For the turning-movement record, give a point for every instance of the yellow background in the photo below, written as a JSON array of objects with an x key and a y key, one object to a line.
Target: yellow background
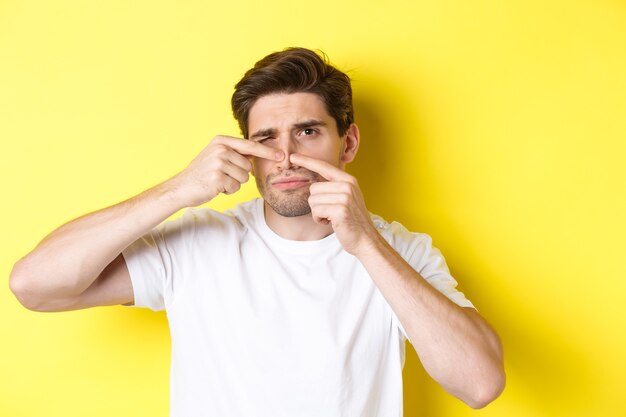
[{"x": 498, "y": 127}]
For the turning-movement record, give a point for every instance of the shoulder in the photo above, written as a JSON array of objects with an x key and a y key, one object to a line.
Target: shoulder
[
  {"x": 415, "y": 247},
  {"x": 398, "y": 235},
  {"x": 245, "y": 214},
  {"x": 200, "y": 219}
]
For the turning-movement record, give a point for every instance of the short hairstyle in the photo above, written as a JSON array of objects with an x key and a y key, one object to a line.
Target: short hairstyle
[{"x": 295, "y": 70}]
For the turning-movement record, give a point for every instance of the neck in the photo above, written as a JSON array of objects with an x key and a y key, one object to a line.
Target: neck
[{"x": 295, "y": 228}]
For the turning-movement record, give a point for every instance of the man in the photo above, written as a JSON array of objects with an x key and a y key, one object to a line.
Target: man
[{"x": 296, "y": 304}]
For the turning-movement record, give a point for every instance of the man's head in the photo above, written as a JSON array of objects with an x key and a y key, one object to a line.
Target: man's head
[
  {"x": 291, "y": 71},
  {"x": 296, "y": 102}
]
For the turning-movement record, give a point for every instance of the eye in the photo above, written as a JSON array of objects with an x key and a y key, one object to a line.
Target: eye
[
  {"x": 308, "y": 131},
  {"x": 264, "y": 139}
]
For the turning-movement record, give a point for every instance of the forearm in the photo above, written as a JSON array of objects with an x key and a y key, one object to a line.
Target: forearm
[
  {"x": 68, "y": 260},
  {"x": 455, "y": 345}
]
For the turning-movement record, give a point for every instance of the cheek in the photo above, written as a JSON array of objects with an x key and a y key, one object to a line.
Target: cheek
[{"x": 328, "y": 154}]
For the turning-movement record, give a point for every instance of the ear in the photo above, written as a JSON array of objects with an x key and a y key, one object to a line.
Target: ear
[{"x": 351, "y": 144}]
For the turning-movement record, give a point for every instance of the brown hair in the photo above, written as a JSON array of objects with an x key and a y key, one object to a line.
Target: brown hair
[{"x": 295, "y": 70}]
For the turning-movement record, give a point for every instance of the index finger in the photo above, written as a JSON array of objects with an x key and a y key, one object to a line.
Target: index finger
[
  {"x": 326, "y": 170},
  {"x": 249, "y": 148}
]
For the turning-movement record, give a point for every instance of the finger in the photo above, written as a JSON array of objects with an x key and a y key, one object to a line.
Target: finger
[
  {"x": 326, "y": 170},
  {"x": 235, "y": 172},
  {"x": 230, "y": 185},
  {"x": 328, "y": 199},
  {"x": 239, "y": 160},
  {"x": 331, "y": 187},
  {"x": 323, "y": 213},
  {"x": 249, "y": 148}
]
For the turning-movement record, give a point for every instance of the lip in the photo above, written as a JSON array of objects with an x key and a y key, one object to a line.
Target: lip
[{"x": 289, "y": 183}]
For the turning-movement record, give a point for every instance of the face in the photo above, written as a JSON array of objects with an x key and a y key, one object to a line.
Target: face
[{"x": 293, "y": 123}]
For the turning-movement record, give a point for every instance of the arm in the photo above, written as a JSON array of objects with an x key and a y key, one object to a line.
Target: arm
[
  {"x": 80, "y": 264},
  {"x": 456, "y": 346}
]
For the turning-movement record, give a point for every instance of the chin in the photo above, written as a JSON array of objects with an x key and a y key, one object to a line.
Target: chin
[{"x": 286, "y": 207}]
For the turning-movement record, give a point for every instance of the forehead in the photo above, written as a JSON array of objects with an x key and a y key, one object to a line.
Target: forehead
[{"x": 282, "y": 110}]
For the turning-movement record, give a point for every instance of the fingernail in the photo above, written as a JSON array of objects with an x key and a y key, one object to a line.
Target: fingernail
[{"x": 280, "y": 155}]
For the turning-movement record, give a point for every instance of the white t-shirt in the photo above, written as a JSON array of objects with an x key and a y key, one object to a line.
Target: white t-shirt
[{"x": 265, "y": 326}]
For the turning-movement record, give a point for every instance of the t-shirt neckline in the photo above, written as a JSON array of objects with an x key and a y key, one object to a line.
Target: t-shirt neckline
[{"x": 294, "y": 246}]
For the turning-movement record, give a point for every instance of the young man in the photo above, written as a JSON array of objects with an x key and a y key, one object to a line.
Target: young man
[{"x": 295, "y": 304}]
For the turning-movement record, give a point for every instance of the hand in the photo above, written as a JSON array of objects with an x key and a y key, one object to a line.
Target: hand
[
  {"x": 221, "y": 167},
  {"x": 339, "y": 202}
]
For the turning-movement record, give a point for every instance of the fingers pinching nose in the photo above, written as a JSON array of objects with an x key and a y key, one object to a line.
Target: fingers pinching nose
[
  {"x": 299, "y": 160},
  {"x": 295, "y": 159},
  {"x": 280, "y": 155}
]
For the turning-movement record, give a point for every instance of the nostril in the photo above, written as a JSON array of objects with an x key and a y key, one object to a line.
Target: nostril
[{"x": 286, "y": 161}]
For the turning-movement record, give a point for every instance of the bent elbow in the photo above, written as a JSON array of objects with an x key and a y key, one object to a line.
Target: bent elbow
[
  {"x": 18, "y": 284},
  {"x": 22, "y": 287},
  {"x": 488, "y": 391}
]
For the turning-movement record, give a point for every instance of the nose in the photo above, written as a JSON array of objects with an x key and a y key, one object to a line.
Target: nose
[{"x": 288, "y": 145}]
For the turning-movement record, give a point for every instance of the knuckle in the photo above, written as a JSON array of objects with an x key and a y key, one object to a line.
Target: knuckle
[
  {"x": 233, "y": 186},
  {"x": 220, "y": 165},
  {"x": 239, "y": 178},
  {"x": 221, "y": 150},
  {"x": 216, "y": 177}
]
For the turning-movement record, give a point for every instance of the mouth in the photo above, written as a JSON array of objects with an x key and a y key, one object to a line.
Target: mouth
[{"x": 291, "y": 183}]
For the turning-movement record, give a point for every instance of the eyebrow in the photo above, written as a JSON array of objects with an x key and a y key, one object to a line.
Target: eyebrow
[
  {"x": 309, "y": 123},
  {"x": 301, "y": 125}
]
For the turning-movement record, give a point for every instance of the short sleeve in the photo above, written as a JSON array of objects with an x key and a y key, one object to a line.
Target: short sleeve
[
  {"x": 417, "y": 249},
  {"x": 431, "y": 265},
  {"x": 154, "y": 261}
]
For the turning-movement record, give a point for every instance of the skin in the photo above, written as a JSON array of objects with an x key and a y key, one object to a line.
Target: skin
[
  {"x": 296, "y": 124},
  {"x": 456, "y": 345},
  {"x": 299, "y": 170}
]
